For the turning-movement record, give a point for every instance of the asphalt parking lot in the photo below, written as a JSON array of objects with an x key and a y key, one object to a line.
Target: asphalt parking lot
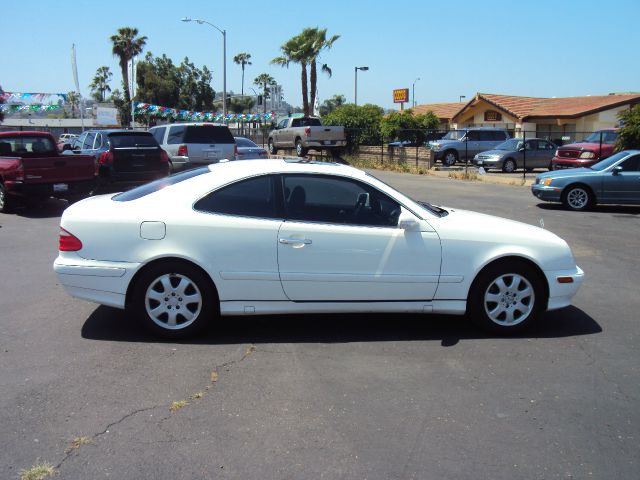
[{"x": 328, "y": 396}]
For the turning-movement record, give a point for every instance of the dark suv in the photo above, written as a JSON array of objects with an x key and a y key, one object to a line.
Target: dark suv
[
  {"x": 124, "y": 155},
  {"x": 195, "y": 144}
]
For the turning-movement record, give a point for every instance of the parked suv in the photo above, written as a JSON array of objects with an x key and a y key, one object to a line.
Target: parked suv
[
  {"x": 194, "y": 144},
  {"x": 597, "y": 146},
  {"x": 466, "y": 143}
]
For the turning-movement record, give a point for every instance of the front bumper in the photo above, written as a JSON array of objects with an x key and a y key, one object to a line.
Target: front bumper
[
  {"x": 97, "y": 281},
  {"x": 547, "y": 193},
  {"x": 563, "y": 285},
  {"x": 560, "y": 163}
]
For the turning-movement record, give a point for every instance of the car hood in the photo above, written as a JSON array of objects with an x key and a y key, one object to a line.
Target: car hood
[
  {"x": 498, "y": 153},
  {"x": 571, "y": 172},
  {"x": 582, "y": 146},
  {"x": 443, "y": 142}
]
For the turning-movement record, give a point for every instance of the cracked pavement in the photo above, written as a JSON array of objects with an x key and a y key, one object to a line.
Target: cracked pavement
[{"x": 328, "y": 396}]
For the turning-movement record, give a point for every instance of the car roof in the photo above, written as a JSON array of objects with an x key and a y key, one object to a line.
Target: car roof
[
  {"x": 192, "y": 124},
  {"x": 23, "y": 133}
]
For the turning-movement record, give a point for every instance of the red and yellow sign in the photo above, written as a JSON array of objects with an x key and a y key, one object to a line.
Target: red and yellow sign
[{"x": 401, "y": 95}]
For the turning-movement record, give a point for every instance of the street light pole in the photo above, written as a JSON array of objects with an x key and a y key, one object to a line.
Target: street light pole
[
  {"x": 461, "y": 97},
  {"x": 364, "y": 69},
  {"x": 224, "y": 59},
  {"x": 413, "y": 91}
]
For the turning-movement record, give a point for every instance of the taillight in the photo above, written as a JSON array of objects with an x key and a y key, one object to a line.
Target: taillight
[
  {"x": 106, "y": 158},
  {"x": 182, "y": 151},
  {"x": 307, "y": 130},
  {"x": 68, "y": 242},
  {"x": 19, "y": 172},
  {"x": 164, "y": 158},
  {"x": 235, "y": 151}
]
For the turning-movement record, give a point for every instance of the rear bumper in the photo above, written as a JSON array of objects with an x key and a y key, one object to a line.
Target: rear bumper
[
  {"x": 96, "y": 281},
  {"x": 58, "y": 189},
  {"x": 324, "y": 144}
]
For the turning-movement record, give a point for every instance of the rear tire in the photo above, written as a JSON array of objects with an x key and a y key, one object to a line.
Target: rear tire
[
  {"x": 507, "y": 297},
  {"x": 5, "y": 201},
  {"x": 300, "y": 150},
  {"x": 174, "y": 300}
]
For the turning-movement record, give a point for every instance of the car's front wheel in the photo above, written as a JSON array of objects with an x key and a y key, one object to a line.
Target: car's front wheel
[
  {"x": 577, "y": 197},
  {"x": 507, "y": 297},
  {"x": 272, "y": 148},
  {"x": 174, "y": 300},
  {"x": 450, "y": 158},
  {"x": 509, "y": 166}
]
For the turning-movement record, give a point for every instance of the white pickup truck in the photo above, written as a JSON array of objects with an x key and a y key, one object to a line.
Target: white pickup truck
[{"x": 304, "y": 134}]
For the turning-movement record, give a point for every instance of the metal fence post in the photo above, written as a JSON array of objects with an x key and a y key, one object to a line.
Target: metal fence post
[{"x": 524, "y": 156}]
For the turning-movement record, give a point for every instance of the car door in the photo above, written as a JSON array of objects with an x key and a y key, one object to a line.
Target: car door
[
  {"x": 473, "y": 145},
  {"x": 340, "y": 242},
  {"x": 277, "y": 133},
  {"x": 236, "y": 232},
  {"x": 546, "y": 151},
  {"x": 623, "y": 186}
]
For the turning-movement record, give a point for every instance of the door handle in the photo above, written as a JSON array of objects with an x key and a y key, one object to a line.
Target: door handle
[{"x": 294, "y": 241}]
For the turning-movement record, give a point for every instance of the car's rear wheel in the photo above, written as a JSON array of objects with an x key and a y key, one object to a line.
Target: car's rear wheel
[
  {"x": 300, "y": 150},
  {"x": 450, "y": 158},
  {"x": 272, "y": 148},
  {"x": 507, "y": 297},
  {"x": 174, "y": 300},
  {"x": 509, "y": 166},
  {"x": 577, "y": 197},
  {"x": 5, "y": 202}
]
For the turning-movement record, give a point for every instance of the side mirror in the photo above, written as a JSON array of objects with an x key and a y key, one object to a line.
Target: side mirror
[
  {"x": 521, "y": 149},
  {"x": 408, "y": 222},
  {"x": 616, "y": 170}
]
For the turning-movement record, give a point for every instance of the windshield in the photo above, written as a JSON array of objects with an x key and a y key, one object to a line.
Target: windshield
[
  {"x": 454, "y": 135},
  {"x": 512, "y": 145},
  {"x": 609, "y": 137},
  {"x": 607, "y": 162}
]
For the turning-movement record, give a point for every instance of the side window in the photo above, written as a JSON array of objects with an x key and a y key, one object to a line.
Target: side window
[
  {"x": 283, "y": 124},
  {"x": 326, "y": 199},
  {"x": 247, "y": 198},
  {"x": 158, "y": 134},
  {"x": 80, "y": 140},
  {"x": 296, "y": 122},
  {"x": 176, "y": 134},
  {"x": 542, "y": 145},
  {"x": 88, "y": 141},
  {"x": 499, "y": 136},
  {"x": 473, "y": 136},
  {"x": 486, "y": 136},
  {"x": 531, "y": 145},
  {"x": 98, "y": 141},
  {"x": 631, "y": 164}
]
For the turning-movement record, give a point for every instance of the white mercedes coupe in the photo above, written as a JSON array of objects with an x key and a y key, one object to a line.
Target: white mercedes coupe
[{"x": 283, "y": 236}]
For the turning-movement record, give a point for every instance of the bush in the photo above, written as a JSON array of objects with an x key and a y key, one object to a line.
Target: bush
[
  {"x": 629, "y": 134},
  {"x": 361, "y": 123}
]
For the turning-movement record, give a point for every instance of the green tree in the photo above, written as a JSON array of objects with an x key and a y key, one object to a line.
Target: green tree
[
  {"x": 319, "y": 42},
  {"x": 74, "y": 101},
  {"x": 297, "y": 49},
  {"x": 124, "y": 109},
  {"x": 158, "y": 81},
  {"x": 195, "y": 87},
  {"x": 100, "y": 84},
  {"x": 362, "y": 123},
  {"x": 242, "y": 59},
  {"x": 629, "y": 133},
  {"x": 331, "y": 104},
  {"x": 405, "y": 125},
  {"x": 126, "y": 45},
  {"x": 241, "y": 104},
  {"x": 264, "y": 80}
]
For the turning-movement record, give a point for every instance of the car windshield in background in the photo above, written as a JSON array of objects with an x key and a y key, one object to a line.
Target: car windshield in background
[
  {"x": 208, "y": 134},
  {"x": 132, "y": 140},
  {"x": 511, "y": 145},
  {"x": 454, "y": 135},
  {"x": 607, "y": 162},
  {"x": 607, "y": 137},
  {"x": 151, "y": 187},
  {"x": 245, "y": 142}
]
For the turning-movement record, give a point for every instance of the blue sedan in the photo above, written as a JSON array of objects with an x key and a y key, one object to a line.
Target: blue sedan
[{"x": 613, "y": 180}]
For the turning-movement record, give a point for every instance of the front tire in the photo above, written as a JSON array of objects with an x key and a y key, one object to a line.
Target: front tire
[
  {"x": 174, "y": 300},
  {"x": 5, "y": 201},
  {"x": 300, "y": 150},
  {"x": 450, "y": 158},
  {"x": 272, "y": 148},
  {"x": 578, "y": 198},
  {"x": 509, "y": 166},
  {"x": 507, "y": 297}
]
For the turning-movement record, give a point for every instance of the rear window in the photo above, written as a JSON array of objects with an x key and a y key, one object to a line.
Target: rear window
[
  {"x": 151, "y": 187},
  {"x": 132, "y": 140},
  {"x": 23, "y": 145},
  {"x": 306, "y": 122},
  {"x": 208, "y": 134},
  {"x": 245, "y": 142}
]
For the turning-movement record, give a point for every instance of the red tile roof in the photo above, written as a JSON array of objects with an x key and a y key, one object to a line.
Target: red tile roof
[{"x": 444, "y": 111}]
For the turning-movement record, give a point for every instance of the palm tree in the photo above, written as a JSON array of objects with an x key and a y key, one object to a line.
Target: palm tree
[
  {"x": 319, "y": 42},
  {"x": 74, "y": 99},
  {"x": 126, "y": 45},
  {"x": 297, "y": 49},
  {"x": 100, "y": 84},
  {"x": 264, "y": 80},
  {"x": 242, "y": 59}
]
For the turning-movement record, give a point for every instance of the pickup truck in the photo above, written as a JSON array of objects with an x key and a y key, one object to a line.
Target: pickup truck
[
  {"x": 304, "y": 134},
  {"x": 32, "y": 170},
  {"x": 597, "y": 146}
]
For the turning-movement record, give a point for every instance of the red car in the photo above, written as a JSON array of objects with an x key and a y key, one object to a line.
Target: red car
[{"x": 591, "y": 150}]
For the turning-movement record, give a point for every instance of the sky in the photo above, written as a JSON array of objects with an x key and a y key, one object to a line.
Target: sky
[{"x": 444, "y": 49}]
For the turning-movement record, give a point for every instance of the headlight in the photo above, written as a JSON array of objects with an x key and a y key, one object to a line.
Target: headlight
[
  {"x": 435, "y": 147},
  {"x": 546, "y": 181},
  {"x": 587, "y": 155}
]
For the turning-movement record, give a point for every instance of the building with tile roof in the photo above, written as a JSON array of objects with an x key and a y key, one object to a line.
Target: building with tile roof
[{"x": 565, "y": 118}]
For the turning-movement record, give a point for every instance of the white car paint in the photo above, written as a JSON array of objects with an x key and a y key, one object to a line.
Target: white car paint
[{"x": 267, "y": 266}]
